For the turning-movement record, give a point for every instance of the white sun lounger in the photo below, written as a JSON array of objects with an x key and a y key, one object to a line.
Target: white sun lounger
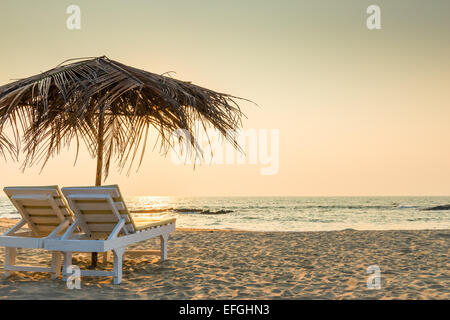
[
  {"x": 106, "y": 225},
  {"x": 46, "y": 213}
]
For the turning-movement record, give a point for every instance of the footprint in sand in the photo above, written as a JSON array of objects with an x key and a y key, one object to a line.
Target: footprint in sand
[{"x": 351, "y": 283}]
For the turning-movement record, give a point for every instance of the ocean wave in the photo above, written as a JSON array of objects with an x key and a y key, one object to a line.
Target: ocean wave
[
  {"x": 229, "y": 209},
  {"x": 357, "y": 207},
  {"x": 183, "y": 210}
]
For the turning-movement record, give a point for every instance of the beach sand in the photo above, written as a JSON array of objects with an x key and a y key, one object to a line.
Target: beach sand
[{"x": 259, "y": 265}]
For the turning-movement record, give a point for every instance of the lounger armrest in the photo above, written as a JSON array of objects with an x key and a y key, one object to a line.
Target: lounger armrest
[
  {"x": 15, "y": 228},
  {"x": 71, "y": 229},
  {"x": 117, "y": 229},
  {"x": 58, "y": 229}
]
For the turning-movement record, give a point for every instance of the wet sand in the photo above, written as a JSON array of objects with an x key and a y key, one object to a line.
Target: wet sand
[{"x": 259, "y": 265}]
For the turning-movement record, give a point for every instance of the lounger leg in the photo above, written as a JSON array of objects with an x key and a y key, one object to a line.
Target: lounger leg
[
  {"x": 94, "y": 257},
  {"x": 56, "y": 264},
  {"x": 106, "y": 257},
  {"x": 10, "y": 259},
  {"x": 118, "y": 259},
  {"x": 164, "y": 238},
  {"x": 67, "y": 263}
]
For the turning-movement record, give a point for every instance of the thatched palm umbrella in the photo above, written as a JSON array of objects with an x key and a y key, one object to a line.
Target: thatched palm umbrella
[{"x": 110, "y": 107}]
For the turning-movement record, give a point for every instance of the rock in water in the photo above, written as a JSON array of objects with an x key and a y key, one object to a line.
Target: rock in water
[
  {"x": 443, "y": 207},
  {"x": 201, "y": 211},
  {"x": 216, "y": 212}
]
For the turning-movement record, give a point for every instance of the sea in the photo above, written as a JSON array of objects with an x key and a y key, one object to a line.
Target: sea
[{"x": 288, "y": 213}]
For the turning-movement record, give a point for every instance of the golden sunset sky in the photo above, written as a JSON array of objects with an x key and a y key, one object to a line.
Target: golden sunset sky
[{"x": 359, "y": 112}]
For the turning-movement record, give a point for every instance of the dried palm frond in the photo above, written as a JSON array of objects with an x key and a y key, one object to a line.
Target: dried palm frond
[{"x": 109, "y": 107}]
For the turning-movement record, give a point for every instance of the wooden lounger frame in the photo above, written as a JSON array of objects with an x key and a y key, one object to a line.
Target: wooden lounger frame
[
  {"x": 106, "y": 226},
  {"x": 46, "y": 213}
]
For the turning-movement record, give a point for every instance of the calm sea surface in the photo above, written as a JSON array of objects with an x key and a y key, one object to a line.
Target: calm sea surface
[{"x": 290, "y": 213}]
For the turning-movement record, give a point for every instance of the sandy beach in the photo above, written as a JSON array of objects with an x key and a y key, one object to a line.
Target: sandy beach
[{"x": 260, "y": 265}]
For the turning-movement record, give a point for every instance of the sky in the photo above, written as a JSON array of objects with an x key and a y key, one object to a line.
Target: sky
[{"x": 359, "y": 112}]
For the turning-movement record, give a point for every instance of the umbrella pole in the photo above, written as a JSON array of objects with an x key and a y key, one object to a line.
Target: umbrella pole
[{"x": 98, "y": 175}]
